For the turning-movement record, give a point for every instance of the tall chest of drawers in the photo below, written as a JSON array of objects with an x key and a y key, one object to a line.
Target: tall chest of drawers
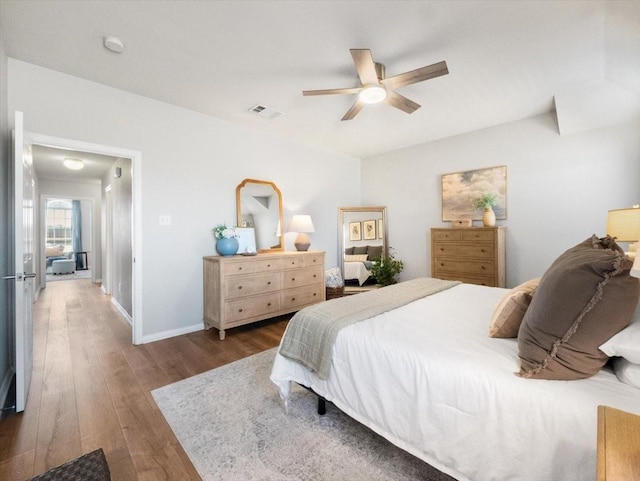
[
  {"x": 475, "y": 255},
  {"x": 239, "y": 290}
]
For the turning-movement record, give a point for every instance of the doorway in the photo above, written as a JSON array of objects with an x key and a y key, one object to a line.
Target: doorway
[
  {"x": 132, "y": 254},
  {"x": 68, "y": 239}
]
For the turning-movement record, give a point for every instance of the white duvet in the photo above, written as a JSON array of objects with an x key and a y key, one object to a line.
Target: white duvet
[
  {"x": 428, "y": 378},
  {"x": 356, "y": 270}
]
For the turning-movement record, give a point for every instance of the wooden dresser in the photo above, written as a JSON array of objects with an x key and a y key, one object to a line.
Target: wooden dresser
[
  {"x": 239, "y": 290},
  {"x": 475, "y": 255},
  {"x": 618, "y": 445}
]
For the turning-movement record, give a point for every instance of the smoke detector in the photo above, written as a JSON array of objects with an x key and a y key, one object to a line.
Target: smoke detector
[{"x": 114, "y": 44}]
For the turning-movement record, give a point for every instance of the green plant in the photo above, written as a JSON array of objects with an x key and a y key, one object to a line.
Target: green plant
[
  {"x": 486, "y": 199},
  {"x": 386, "y": 269},
  {"x": 221, "y": 231}
]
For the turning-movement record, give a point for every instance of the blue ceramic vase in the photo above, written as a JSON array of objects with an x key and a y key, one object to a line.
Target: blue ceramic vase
[{"x": 227, "y": 247}]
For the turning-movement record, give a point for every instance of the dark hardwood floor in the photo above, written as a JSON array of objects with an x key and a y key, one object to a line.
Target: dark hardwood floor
[{"x": 91, "y": 387}]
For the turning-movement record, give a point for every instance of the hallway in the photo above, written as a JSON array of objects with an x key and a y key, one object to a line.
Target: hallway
[{"x": 91, "y": 387}]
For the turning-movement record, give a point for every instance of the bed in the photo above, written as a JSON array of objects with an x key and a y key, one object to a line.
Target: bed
[
  {"x": 357, "y": 262},
  {"x": 427, "y": 377},
  {"x": 357, "y": 270}
]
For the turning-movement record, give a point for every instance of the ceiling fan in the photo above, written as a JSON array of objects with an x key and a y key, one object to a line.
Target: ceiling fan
[{"x": 375, "y": 88}]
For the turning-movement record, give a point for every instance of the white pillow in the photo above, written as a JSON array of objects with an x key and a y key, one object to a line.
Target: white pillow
[
  {"x": 627, "y": 372},
  {"x": 627, "y": 342},
  {"x": 355, "y": 258}
]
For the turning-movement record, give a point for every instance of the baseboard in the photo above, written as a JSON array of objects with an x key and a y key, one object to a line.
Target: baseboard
[
  {"x": 122, "y": 310},
  {"x": 172, "y": 333},
  {"x": 6, "y": 384}
]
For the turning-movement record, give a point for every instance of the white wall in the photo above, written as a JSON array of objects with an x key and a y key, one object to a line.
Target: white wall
[
  {"x": 78, "y": 191},
  {"x": 559, "y": 188},
  {"x": 191, "y": 164}
]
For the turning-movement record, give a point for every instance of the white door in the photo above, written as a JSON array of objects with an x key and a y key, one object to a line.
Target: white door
[{"x": 24, "y": 264}]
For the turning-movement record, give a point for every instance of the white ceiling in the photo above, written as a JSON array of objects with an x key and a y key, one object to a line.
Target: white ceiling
[
  {"x": 48, "y": 164},
  {"x": 507, "y": 59}
]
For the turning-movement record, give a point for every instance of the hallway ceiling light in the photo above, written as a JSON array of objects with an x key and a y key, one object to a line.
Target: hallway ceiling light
[{"x": 73, "y": 164}]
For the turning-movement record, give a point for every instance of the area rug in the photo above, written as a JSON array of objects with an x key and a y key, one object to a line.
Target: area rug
[
  {"x": 232, "y": 425},
  {"x": 86, "y": 274}
]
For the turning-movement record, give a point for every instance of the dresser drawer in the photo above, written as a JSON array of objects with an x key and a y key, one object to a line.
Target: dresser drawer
[
  {"x": 471, "y": 268},
  {"x": 237, "y": 267},
  {"x": 446, "y": 234},
  {"x": 242, "y": 286},
  {"x": 461, "y": 249},
  {"x": 268, "y": 265},
  {"x": 299, "y": 297},
  {"x": 477, "y": 234},
  {"x": 479, "y": 280},
  {"x": 314, "y": 260},
  {"x": 292, "y": 262},
  {"x": 302, "y": 277},
  {"x": 246, "y": 308}
]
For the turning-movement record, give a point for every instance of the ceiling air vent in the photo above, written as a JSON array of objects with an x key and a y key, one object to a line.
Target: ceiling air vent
[{"x": 264, "y": 111}]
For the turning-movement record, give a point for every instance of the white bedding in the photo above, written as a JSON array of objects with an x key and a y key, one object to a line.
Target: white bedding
[
  {"x": 356, "y": 270},
  {"x": 428, "y": 378}
]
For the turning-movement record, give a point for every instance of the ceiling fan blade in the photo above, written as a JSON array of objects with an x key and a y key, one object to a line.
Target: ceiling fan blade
[
  {"x": 354, "y": 90},
  {"x": 400, "y": 102},
  {"x": 353, "y": 111},
  {"x": 417, "y": 75},
  {"x": 364, "y": 65}
]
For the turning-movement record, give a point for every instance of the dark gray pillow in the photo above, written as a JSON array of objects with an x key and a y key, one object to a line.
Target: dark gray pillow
[
  {"x": 583, "y": 299},
  {"x": 374, "y": 252},
  {"x": 348, "y": 251},
  {"x": 358, "y": 251}
]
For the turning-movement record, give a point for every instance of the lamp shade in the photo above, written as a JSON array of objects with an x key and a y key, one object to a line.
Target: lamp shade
[
  {"x": 624, "y": 224},
  {"x": 301, "y": 223}
]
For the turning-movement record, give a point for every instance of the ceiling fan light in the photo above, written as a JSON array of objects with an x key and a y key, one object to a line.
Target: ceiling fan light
[
  {"x": 73, "y": 164},
  {"x": 372, "y": 94}
]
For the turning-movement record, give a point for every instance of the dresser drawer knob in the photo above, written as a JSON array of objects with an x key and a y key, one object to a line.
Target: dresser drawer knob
[
  {"x": 314, "y": 294},
  {"x": 239, "y": 287},
  {"x": 293, "y": 299},
  {"x": 482, "y": 267},
  {"x": 269, "y": 283},
  {"x": 482, "y": 250},
  {"x": 314, "y": 276},
  {"x": 268, "y": 265},
  {"x": 268, "y": 304},
  {"x": 240, "y": 310},
  {"x": 239, "y": 268},
  {"x": 293, "y": 279}
]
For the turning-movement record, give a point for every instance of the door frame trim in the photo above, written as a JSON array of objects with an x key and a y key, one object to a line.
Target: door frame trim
[{"x": 136, "y": 214}]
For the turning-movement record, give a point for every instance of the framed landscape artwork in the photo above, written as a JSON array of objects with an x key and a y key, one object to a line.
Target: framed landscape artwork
[
  {"x": 459, "y": 188},
  {"x": 369, "y": 229},
  {"x": 355, "y": 234}
]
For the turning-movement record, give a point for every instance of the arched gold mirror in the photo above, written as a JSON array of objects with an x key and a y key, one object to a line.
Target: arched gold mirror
[
  {"x": 259, "y": 205},
  {"x": 362, "y": 238}
]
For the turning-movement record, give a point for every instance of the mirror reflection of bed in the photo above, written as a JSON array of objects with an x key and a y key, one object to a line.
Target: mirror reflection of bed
[{"x": 362, "y": 240}]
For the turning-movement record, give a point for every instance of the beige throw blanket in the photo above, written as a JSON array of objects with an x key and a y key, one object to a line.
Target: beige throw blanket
[{"x": 312, "y": 332}]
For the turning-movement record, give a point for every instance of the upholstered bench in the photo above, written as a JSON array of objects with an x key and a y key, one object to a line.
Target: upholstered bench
[{"x": 63, "y": 266}]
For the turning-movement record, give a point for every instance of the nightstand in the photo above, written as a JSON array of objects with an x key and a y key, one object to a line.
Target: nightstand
[{"x": 618, "y": 445}]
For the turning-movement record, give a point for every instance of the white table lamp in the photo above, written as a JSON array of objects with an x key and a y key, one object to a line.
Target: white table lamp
[
  {"x": 624, "y": 225},
  {"x": 302, "y": 224}
]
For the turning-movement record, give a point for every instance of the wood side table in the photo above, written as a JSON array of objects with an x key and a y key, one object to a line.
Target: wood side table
[{"x": 618, "y": 445}]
